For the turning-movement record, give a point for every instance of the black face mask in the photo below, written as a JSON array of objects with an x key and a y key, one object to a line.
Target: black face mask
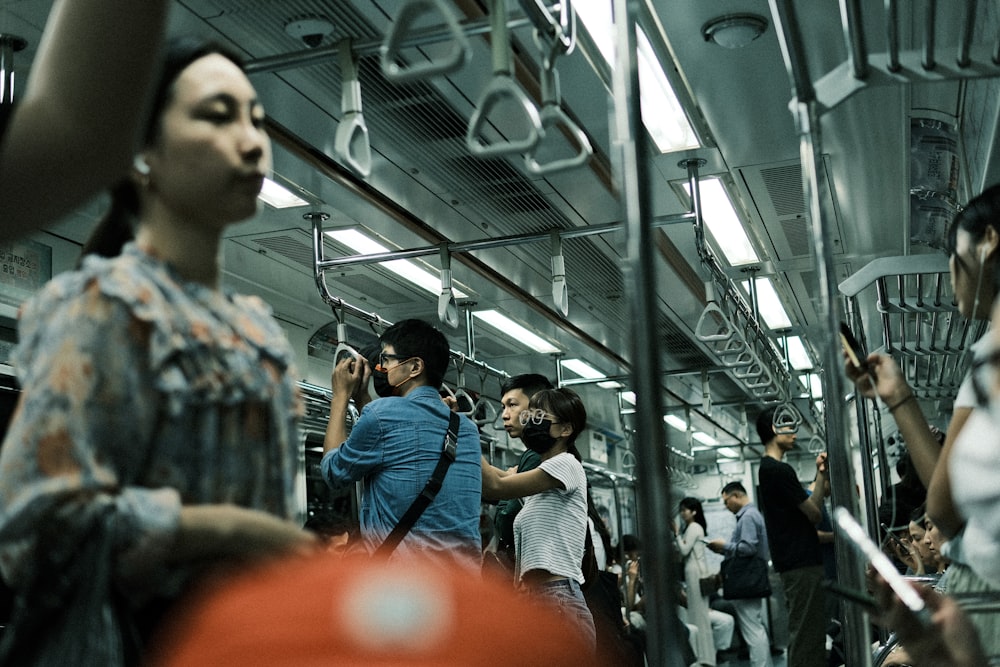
[
  {"x": 536, "y": 436},
  {"x": 380, "y": 384}
]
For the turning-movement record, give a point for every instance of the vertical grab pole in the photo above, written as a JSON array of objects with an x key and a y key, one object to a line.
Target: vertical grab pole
[
  {"x": 849, "y": 570},
  {"x": 630, "y": 150}
]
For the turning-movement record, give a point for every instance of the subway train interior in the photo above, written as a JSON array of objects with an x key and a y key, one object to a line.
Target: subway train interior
[{"x": 669, "y": 207}]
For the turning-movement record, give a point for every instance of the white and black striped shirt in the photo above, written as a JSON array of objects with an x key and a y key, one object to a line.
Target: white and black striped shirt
[{"x": 549, "y": 531}]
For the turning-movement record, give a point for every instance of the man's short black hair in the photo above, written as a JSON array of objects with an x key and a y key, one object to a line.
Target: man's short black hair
[
  {"x": 765, "y": 425},
  {"x": 417, "y": 338},
  {"x": 734, "y": 487},
  {"x": 529, "y": 383}
]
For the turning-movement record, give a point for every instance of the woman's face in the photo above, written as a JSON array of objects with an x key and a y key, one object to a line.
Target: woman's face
[
  {"x": 212, "y": 154},
  {"x": 917, "y": 535},
  {"x": 969, "y": 273},
  {"x": 687, "y": 515}
]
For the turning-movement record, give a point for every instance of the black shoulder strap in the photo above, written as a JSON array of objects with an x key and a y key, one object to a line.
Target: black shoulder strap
[{"x": 428, "y": 494}]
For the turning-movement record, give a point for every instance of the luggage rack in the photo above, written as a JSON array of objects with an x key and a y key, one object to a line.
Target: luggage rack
[{"x": 919, "y": 320}]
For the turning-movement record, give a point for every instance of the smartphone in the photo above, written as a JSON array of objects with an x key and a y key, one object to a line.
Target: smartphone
[
  {"x": 851, "y": 595},
  {"x": 848, "y": 528},
  {"x": 853, "y": 348},
  {"x": 895, "y": 538}
]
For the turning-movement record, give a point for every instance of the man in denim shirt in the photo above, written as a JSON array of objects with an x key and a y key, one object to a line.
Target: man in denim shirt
[{"x": 396, "y": 444}]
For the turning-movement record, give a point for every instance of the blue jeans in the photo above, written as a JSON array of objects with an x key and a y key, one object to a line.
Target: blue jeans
[{"x": 568, "y": 599}]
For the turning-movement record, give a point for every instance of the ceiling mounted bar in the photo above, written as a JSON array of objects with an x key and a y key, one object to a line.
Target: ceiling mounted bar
[
  {"x": 854, "y": 35},
  {"x": 631, "y": 165},
  {"x": 965, "y": 37},
  {"x": 341, "y": 307},
  {"x": 892, "y": 33},
  {"x": 557, "y": 23},
  {"x": 792, "y": 50},
  {"x": 806, "y": 113},
  {"x": 495, "y": 242},
  {"x": 372, "y": 46},
  {"x": 930, "y": 19}
]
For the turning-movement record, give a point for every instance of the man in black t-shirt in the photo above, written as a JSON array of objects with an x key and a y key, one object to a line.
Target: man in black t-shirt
[{"x": 791, "y": 515}]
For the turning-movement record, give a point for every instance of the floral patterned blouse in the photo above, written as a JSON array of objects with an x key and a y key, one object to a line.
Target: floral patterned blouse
[{"x": 156, "y": 391}]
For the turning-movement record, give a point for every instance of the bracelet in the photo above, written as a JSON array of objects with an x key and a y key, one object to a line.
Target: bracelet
[{"x": 892, "y": 408}]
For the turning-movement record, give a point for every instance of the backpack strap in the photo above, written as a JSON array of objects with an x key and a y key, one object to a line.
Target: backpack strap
[{"x": 420, "y": 503}]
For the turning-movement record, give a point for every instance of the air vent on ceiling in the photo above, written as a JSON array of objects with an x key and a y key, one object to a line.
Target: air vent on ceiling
[{"x": 776, "y": 191}]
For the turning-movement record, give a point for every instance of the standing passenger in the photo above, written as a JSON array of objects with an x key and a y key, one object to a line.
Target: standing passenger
[
  {"x": 748, "y": 540},
  {"x": 75, "y": 128},
  {"x": 515, "y": 395},
  {"x": 690, "y": 542},
  {"x": 551, "y": 528},
  {"x": 150, "y": 392},
  {"x": 395, "y": 446},
  {"x": 791, "y": 515}
]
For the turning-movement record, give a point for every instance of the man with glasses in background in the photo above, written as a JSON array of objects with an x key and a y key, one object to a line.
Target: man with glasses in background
[{"x": 396, "y": 444}]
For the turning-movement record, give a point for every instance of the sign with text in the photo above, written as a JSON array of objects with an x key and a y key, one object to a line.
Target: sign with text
[{"x": 24, "y": 267}]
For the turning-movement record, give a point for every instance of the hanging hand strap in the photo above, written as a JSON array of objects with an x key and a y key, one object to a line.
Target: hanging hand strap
[{"x": 428, "y": 494}]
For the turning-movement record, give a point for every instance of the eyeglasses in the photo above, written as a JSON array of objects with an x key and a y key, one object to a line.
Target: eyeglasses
[
  {"x": 385, "y": 356},
  {"x": 535, "y": 417}
]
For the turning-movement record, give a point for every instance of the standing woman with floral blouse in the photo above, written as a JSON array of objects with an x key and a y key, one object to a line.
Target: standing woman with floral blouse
[{"x": 148, "y": 389}]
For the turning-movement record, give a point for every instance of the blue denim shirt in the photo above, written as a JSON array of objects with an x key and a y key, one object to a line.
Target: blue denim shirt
[
  {"x": 393, "y": 448},
  {"x": 749, "y": 536}
]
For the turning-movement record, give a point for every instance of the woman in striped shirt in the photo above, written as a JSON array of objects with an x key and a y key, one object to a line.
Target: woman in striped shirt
[{"x": 550, "y": 531}]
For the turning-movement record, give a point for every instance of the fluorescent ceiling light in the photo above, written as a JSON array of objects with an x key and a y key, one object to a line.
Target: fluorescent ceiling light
[
  {"x": 798, "y": 357},
  {"x": 676, "y": 422},
  {"x": 661, "y": 111},
  {"x": 507, "y": 326},
  {"x": 812, "y": 380},
  {"x": 769, "y": 305},
  {"x": 728, "y": 452},
  {"x": 628, "y": 397},
  {"x": 582, "y": 368},
  {"x": 278, "y": 196},
  {"x": 722, "y": 222},
  {"x": 704, "y": 438},
  {"x": 404, "y": 268},
  {"x": 610, "y": 384}
]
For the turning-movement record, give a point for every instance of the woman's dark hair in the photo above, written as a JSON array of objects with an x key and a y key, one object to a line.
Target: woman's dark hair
[
  {"x": 115, "y": 229},
  {"x": 566, "y": 405},
  {"x": 694, "y": 505},
  {"x": 978, "y": 214}
]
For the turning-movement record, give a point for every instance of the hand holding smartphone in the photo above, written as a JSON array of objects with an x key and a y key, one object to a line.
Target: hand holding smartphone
[
  {"x": 848, "y": 528},
  {"x": 853, "y": 348}
]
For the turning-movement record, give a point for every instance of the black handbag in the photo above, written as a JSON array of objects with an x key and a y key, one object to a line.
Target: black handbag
[
  {"x": 708, "y": 585},
  {"x": 70, "y": 613},
  {"x": 745, "y": 577}
]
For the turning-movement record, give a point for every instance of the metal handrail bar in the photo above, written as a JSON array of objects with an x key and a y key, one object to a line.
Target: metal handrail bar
[
  {"x": 892, "y": 34},
  {"x": 495, "y": 242},
  {"x": 344, "y": 308},
  {"x": 854, "y": 35},
  {"x": 370, "y": 46},
  {"x": 965, "y": 36},
  {"x": 930, "y": 14}
]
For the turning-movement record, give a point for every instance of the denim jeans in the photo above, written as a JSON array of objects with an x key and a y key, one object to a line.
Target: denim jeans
[{"x": 568, "y": 598}]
